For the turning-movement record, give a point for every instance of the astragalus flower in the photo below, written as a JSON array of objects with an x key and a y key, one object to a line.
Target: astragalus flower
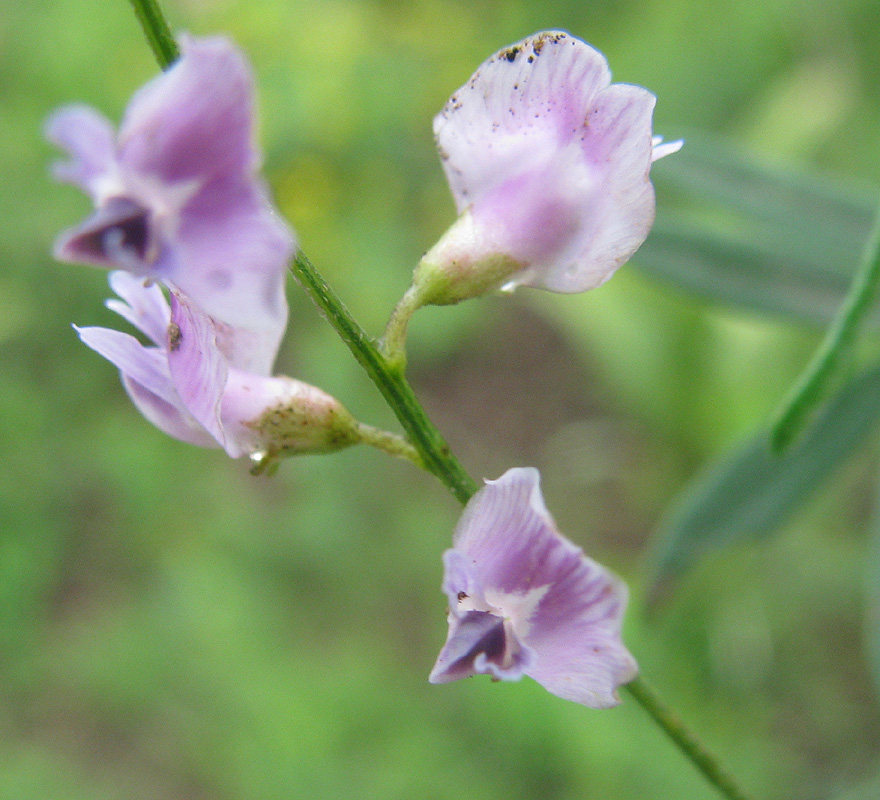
[
  {"x": 548, "y": 162},
  {"x": 187, "y": 384},
  {"x": 524, "y": 600},
  {"x": 177, "y": 194}
]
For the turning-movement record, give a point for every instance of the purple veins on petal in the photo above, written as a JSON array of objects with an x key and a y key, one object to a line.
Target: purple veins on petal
[
  {"x": 524, "y": 600},
  {"x": 198, "y": 369}
]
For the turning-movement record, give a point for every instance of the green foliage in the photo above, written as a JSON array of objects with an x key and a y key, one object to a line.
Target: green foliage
[
  {"x": 752, "y": 491},
  {"x": 755, "y": 236}
]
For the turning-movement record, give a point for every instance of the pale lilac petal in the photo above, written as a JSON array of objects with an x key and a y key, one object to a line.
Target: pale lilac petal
[
  {"x": 232, "y": 253},
  {"x": 88, "y": 137},
  {"x": 549, "y": 164},
  {"x": 619, "y": 212},
  {"x": 516, "y": 110},
  {"x": 252, "y": 351},
  {"x": 193, "y": 127},
  {"x": 146, "y": 378},
  {"x": 143, "y": 305},
  {"x": 460, "y": 578},
  {"x": 583, "y": 659},
  {"x": 194, "y": 120},
  {"x": 540, "y": 228},
  {"x": 500, "y": 529},
  {"x": 198, "y": 370},
  {"x": 169, "y": 418},
  {"x": 147, "y": 366},
  {"x": 186, "y": 387},
  {"x": 179, "y": 199},
  {"x": 561, "y": 611}
]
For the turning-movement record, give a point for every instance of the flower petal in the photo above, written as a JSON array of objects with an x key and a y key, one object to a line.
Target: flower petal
[
  {"x": 143, "y": 305},
  {"x": 178, "y": 196},
  {"x": 481, "y": 643},
  {"x": 193, "y": 127},
  {"x": 144, "y": 365},
  {"x": 520, "y": 106},
  {"x": 198, "y": 369},
  {"x": 89, "y": 138},
  {"x": 616, "y": 219},
  {"x": 171, "y": 419},
  {"x": 145, "y": 376},
  {"x": 194, "y": 120},
  {"x": 231, "y": 253},
  {"x": 581, "y": 657},
  {"x": 549, "y": 166},
  {"x": 117, "y": 234},
  {"x": 564, "y": 607},
  {"x": 507, "y": 533}
]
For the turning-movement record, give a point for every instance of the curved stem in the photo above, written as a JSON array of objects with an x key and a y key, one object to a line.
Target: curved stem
[
  {"x": 674, "y": 728},
  {"x": 391, "y": 382},
  {"x": 394, "y": 341},
  {"x": 810, "y": 387},
  {"x": 390, "y": 443},
  {"x": 156, "y": 30}
]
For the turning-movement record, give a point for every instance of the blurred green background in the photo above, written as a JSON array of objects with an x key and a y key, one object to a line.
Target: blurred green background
[{"x": 173, "y": 628}]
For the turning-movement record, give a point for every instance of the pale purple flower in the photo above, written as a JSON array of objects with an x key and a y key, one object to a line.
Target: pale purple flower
[
  {"x": 177, "y": 194},
  {"x": 548, "y": 162},
  {"x": 524, "y": 600},
  {"x": 187, "y": 384}
]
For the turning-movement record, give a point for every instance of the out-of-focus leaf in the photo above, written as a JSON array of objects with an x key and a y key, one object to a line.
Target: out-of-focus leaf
[
  {"x": 754, "y": 236},
  {"x": 751, "y": 492},
  {"x": 717, "y": 173},
  {"x": 742, "y": 272},
  {"x": 872, "y": 603},
  {"x": 869, "y": 790}
]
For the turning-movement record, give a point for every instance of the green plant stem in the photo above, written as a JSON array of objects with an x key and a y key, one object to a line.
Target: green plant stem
[
  {"x": 157, "y": 31},
  {"x": 390, "y": 443},
  {"x": 394, "y": 340},
  {"x": 391, "y": 382},
  {"x": 669, "y": 721},
  {"x": 808, "y": 391}
]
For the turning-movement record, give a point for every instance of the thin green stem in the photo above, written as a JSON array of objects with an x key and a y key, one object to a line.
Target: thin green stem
[
  {"x": 807, "y": 393},
  {"x": 390, "y": 443},
  {"x": 394, "y": 340},
  {"x": 157, "y": 31},
  {"x": 669, "y": 721},
  {"x": 391, "y": 382}
]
